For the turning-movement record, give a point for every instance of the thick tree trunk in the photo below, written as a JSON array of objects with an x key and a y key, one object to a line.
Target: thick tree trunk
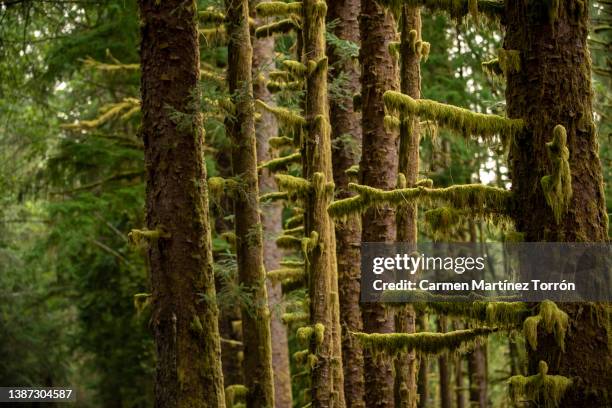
[
  {"x": 378, "y": 168},
  {"x": 185, "y": 327},
  {"x": 410, "y": 83},
  {"x": 271, "y": 215},
  {"x": 552, "y": 87},
  {"x": 327, "y": 374},
  {"x": 257, "y": 362},
  {"x": 346, "y": 134}
]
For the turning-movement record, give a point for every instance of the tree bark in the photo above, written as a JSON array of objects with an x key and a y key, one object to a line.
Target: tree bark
[
  {"x": 346, "y": 136},
  {"x": 446, "y": 396},
  {"x": 271, "y": 215},
  {"x": 410, "y": 84},
  {"x": 477, "y": 367},
  {"x": 423, "y": 376},
  {"x": 327, "y": 380},
  {"x": 553, "y": 86},
  {"x": 184, "y": 315},
  {"x": 378, "y": 168},
  {"x": 257, "y": 362}
]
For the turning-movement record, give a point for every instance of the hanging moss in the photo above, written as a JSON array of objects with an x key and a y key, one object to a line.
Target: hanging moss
[
  {"x": 456, "y": 8},
  {"x": 295, "y": 68},
  {"x": 278, "y": 8},
  {"x": 492, "y": 68},
  {"x": 552, "y": 319},
  {"x": 281, "y": 162},
  {"x": 211, "y": 16},
  {"x": 233, "y": 393},
  {"x": 392, "y": 123},
  {"x": 280, "y": 142},
  {"x": 288, "y": 242},
  {"x": 557, "y": 186},
  {"x": 142, "y": 301},
  {"x": 295, "y": 186},
  {"x": 285, "y": 274},
  {"x": 294, "y": 221},
  {"x": 352, "y": 171},
  {"x": 444, "y": 219},
  {"x": 274, "y": 196},
  {"x": 425, "y": 342},
  {"x": 278, "y": 27},
  {"x": 284, "y": 115},
  {"x": 514, "y": 236},
  {"x": 542, "y": 389},
  {"x": 427, "y": 182},
  {"x": 476, "y": 199},
  {"x": 306, "y": 333},
  {"x": 509, "y": 61},
  {"x": 463, "y": 121},
  {"x": 279, "y": 86}
]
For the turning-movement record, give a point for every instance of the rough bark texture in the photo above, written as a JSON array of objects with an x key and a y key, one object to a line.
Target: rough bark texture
[
  {"x": 257, "y": 362},
  {"x": 271, "y": 216},
  {"x": 378, "y": 168},
  {"x": 326, "y": 376},
  {"x": 346, "y": 136},
  {"x": 405, "y": 387},
  {"x": 553, "y": 87},
  {"x": 185, "y": 327}
]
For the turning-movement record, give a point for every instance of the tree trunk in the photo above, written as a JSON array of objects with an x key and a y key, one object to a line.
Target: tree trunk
[
  {"x": 257, "y": 362},
  {"x": 271, "y": 215},
  {"x": 410, "y": 82},
  {"x": 477, "y": 367},
  {"x": 446, "y": 395},
  {"x": 459, "y": 386},
  {"x": 346, "y": 135},
  {"x": 327, "y": 374},
  {"x": 423, "y": 376},
  {"x": 552, "y": 87},
  {"x": 179, "y": 246},
  {"x": 378, "y": 168}
]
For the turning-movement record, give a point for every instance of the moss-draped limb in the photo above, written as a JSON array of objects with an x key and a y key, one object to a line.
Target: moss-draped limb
[
  {"x": 278, "y": 86},
  {"x": 463, "y": 121},
  {"x": 212, "y": 16},
  {"x": 288, "y": 242},
  {"x": 273, "y": 196},
  {"x": 294, "y": 221},
  {"x": 542, "y": 389},
  {"x": 284, "y": 115},
  {"x": 124, "y": 110},
  {"x": 278, "y": 8},
  {"x": 295, "y": 68},
  {"x": 138, "y": 237},
  {"x": 476, "y": 199},
  {"x": 456, "y": 8},
  {"x": 297, "y": 231},
  {"x": 307, "y": 333},
  {"x": 295, "y": 318},
  {"x": 219, "y": 187},
  {"x": 278, "y": 27},
  {"x": 425, "y": 342},
  {"x": 284, "y": 274},
  {"x": 295, "y": 186},
  {"x": 557, "y": 186},
  {"x": 279, "y": 142},
  {"x": 492, "y": 68},
  {"x": 280, "y": 162},
  {"x": 550, "y": 318},
  {"x": 102, "y": 66}
]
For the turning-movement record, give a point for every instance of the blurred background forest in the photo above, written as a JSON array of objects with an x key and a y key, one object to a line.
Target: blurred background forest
[{"x": 73, "y": 304}]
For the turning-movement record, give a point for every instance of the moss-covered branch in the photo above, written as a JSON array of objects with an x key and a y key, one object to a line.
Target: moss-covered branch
[
  {"x": 476, "y": 199},
  {"x": 425, "y": 342},
  {"x": 278, "y": 8},
  {"x": 295, "y": 186},
  {"x": 463, "y": 121},
  {"x": 124, "y": 109},
  {"x": 286, "y": 274},
  {"x": 456, "y": 8},
  {"x": 557, "y": 186},
  {"x": 278, "y": 27},
  {"x": 281, "y": 162},
  {"x": 284, "y": 115},
  {"x": 552, "y": 319},
  {"x": 542, "y": 389},
  {"x": 295, "y": 318},
  {"x": 278, "y": 142},
  {"x": 273, "y": 196}
]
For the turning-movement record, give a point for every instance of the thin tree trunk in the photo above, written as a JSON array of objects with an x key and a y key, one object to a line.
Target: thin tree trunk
[
  {"x": 477, "y": 367},
  {"x": 553, "y": 87},
  {"x": 459, "y": 386},
  {"x": 405, "y": 387},
  {"x": 271, "y": 215},
  {"x": 446, "y": 395},
  {"x": 327, "y": 374},
  {"x": 378, "y": 168},
  {"x": 257, "y": 362},
  {"x": 423, "y": 376},
  {"x": 179, "y": 246},
  {"x": 346, "y": 134}
]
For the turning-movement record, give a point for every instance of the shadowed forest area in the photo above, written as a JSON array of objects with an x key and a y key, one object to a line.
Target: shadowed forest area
[{"x": 186, "y": 188}]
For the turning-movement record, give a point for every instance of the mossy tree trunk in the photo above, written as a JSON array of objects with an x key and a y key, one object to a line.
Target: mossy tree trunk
[
  {"x": 184, "y": 315},
  {"x": 553, "y": 87},
  {"x": 240, "y": 127},
  {"x": 405, "y": 387},
  {"x": 327, "y": 377},
  {"x": 271, "y": 214},
  {"x": 378, "y": 168},
  {"x": 346, "y": 136}
]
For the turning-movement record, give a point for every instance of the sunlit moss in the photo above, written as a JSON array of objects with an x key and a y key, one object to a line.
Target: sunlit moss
[
  {"x": 278, "y": 8},
  {"x": 295, "y": 318},
  {"x": 456, "y": 8},
  {"x": 278, "y": 27},
  {"x": 284, "y": 274},
  {"x": 295, "y": 68},
  {"x": 283, "y": 115},
  {"x": 550, "y": 318},
  {"x": 295, "y": 186},
  {"x": 281, "y": 162},
  {"x": 543, "y": 389}
]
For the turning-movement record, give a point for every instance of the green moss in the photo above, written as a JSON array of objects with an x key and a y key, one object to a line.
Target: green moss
[
  {"x": 279, "y": 86},
  {"x": 427, "y": 183},
  {"x": 280, "y": 142},
  {"x": 424, "y": 51},
  {"x": 294, "y": 221},
  {"x": 142, "y": 301},
  {"x": 456, "y": 8},
  {"x": 278, "y": 27},
  {"x": 352, "y": 171},
  {"x": 295, "y": 318},
  {"x": 542, "y": 389},
  {"x": 557, "y": 186},
  {"x": 492, "y": 68},
  {"x": 292, "y": 264},
  {"x": 196, "y": 325},
  {"x": 281, "y": 162},
  {"x": 476, "y": 199},
  {"x": 233, "y": 393},
  {"x": 443, "y": 219},
  {"x": 289, "y": 242},
  {"x": 425, "y": 342},
  {"x": 295, "y": 186},
  {"x": 295, "y": 68},
  {"x": 283, "y": 115},
  {"x": 285, "y": 275},
  {"x": 509, "y": 61},
  {"x": 278, "y": 8},
  {"x": 297, "y": 231},
  {"x": 274, "y": 196},
  {"x": 306, "y": 333},
  {"x": 552, "y": 319},
  {"x": 211, "y": 16},
  {"x": 140, "y": 238},
  {"x": 392, "y": 123},
  {"x": 463, "y": 121}
]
